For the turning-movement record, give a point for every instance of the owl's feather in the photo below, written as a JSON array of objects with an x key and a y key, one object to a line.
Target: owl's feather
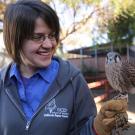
[{"x": 120, "y": 73}]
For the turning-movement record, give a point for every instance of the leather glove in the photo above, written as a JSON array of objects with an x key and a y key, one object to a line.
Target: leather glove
[{"x": 105, "y": 120}]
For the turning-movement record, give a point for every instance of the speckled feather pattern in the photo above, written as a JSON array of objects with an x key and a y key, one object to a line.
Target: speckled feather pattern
[{"x": 121, "y": 75}]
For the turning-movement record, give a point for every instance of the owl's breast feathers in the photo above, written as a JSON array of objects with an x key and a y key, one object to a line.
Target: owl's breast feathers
[{"x": 118, "y": 76}]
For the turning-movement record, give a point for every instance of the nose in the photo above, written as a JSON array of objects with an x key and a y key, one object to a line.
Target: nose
[{"x": 47, "y": 43}]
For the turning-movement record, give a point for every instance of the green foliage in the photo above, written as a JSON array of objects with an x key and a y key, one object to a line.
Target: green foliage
[
  {"x": 122, "y": 6},
  {"x": 75, "y": 3},
  {"x": 122, "y": 30},
  {"x": 91, "y": 1},
  {"x": 71, "y": 3}
]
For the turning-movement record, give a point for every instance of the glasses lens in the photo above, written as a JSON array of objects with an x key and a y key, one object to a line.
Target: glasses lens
[
  {"x": 52, "y": 36},
  {"x": 37, "y": 37},
  {"x": 41, "y": 37}
]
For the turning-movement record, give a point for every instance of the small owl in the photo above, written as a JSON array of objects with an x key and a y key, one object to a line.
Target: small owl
[{"x": 120, "y": 74}]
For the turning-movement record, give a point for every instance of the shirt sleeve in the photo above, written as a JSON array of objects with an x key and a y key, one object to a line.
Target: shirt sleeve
[{"x": 84, "y": 108}]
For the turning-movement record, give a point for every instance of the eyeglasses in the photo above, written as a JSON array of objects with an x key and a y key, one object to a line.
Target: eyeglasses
[{"x": 40, "y": 37}]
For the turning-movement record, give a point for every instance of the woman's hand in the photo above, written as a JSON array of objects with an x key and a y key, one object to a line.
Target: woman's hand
[{"x": 107, "y": 117}]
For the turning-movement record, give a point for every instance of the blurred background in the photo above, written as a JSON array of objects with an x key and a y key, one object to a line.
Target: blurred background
[{"x": 90, "y": 29}]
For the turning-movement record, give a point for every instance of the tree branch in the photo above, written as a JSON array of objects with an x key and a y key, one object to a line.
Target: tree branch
[{"x": 77, "y": 25}]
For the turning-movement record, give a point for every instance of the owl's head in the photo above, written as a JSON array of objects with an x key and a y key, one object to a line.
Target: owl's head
[{"x": 113, "y": 57}]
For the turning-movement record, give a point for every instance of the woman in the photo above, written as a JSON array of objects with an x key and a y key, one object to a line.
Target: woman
[{"x": 41, "y": 94}]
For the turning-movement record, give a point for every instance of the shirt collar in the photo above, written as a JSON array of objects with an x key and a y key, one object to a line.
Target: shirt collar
[
  {"x": 45, "y": 73},
  {"x": 14, "y": 71}
]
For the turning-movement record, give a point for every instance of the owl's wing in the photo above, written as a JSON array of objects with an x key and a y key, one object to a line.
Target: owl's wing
[{"x": 130, "y": 69}]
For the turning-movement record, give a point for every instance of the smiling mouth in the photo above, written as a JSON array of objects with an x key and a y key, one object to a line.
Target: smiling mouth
[{"x": 44, "y": 53}]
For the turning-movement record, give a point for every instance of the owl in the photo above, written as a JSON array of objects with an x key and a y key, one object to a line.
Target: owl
[{"x": 120, "y": 74}]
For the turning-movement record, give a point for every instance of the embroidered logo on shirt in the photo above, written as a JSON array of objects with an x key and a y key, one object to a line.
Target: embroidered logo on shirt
[{"x": 51, "y": 110}]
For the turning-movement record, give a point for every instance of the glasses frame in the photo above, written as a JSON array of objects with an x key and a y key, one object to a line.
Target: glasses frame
[{"x": 40, "y": 37}]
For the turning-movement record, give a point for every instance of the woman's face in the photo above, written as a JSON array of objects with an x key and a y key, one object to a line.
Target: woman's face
[{"x": 37, "y": 51}]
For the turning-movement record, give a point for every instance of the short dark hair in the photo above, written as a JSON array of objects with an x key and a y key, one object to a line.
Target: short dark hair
[{"x": 19, "y": 24}]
